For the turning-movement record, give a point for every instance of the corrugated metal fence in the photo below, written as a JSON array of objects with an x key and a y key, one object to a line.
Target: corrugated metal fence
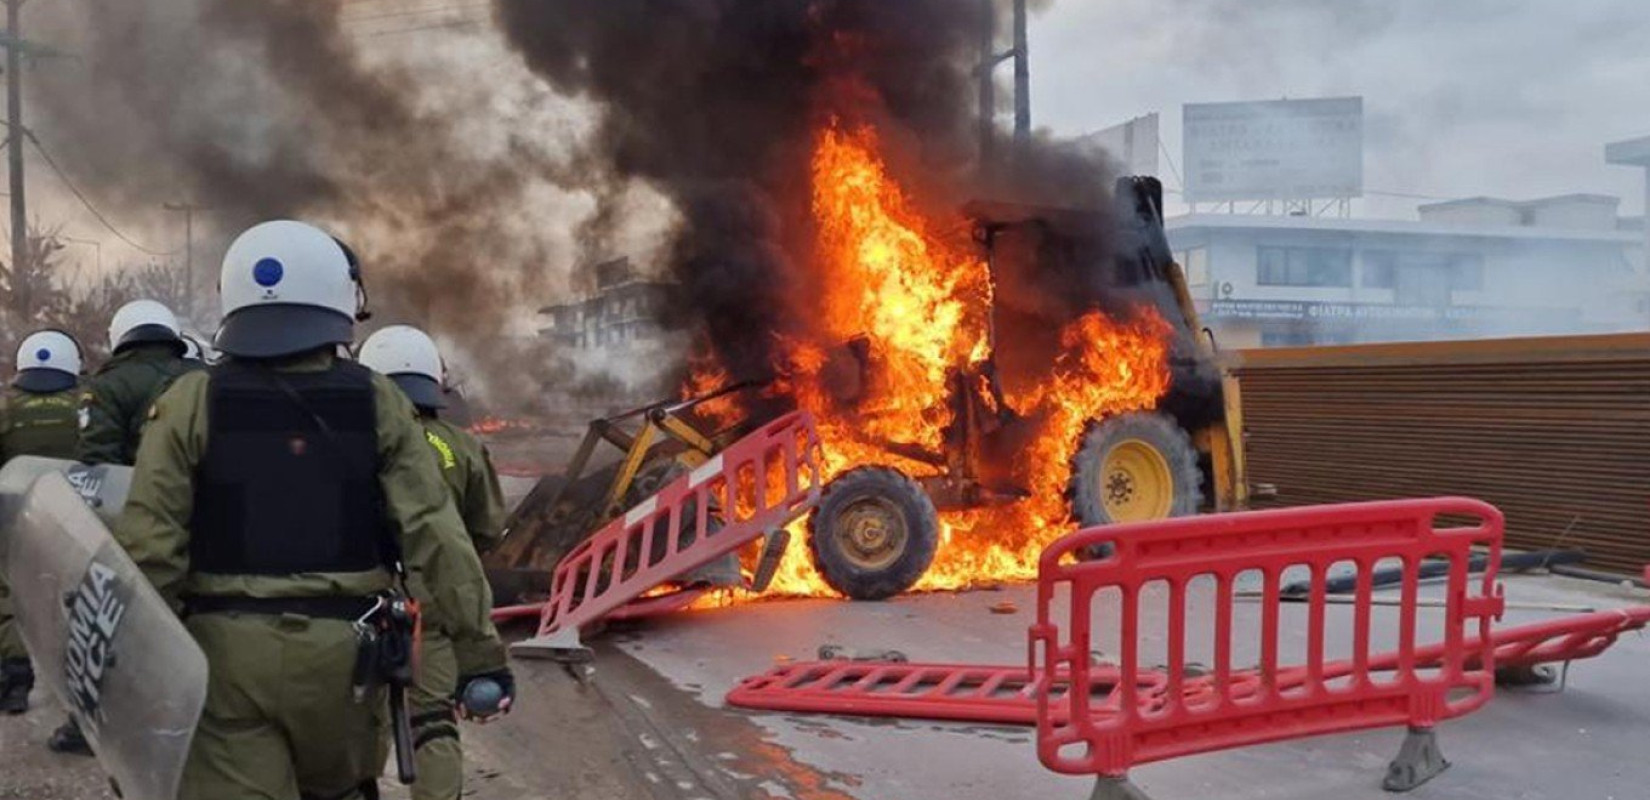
[{"x": 1554, "y": 431}]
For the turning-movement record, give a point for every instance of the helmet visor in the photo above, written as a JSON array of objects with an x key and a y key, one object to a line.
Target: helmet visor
[
  {"x": 422, "y": 390},
  {"x": 149, "y": 333},
  {"x": 282, "y": 329},
  {"x": 41, "y": 380}
]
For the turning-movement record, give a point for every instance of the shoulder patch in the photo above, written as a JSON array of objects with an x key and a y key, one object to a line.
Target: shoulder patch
[{"x": 449, "y": 460}]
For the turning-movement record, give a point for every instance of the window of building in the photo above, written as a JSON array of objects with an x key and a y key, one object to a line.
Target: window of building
[
  {"x": 1380, "y": 269},
  {"x": 1196, "y": 263},
  {"x": 1304, "y": 266},
  {"x": 1467, "y": 273}
]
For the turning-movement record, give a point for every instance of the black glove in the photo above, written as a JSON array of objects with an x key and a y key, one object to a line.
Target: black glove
[{"x": 486, "y": 695}]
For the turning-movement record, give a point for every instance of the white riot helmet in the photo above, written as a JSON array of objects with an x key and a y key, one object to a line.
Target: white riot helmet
[
  {"x": 192, "y": 350},
  {"x": 142, "y": 321},
  {"x": 287, "y": 287},
  {"x": 410, "y": 358},
  {"x": 47, "y": 361}
]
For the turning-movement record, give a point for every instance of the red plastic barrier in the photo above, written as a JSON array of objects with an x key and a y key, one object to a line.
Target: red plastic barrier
[
  {"x": 1002, "y": 695},
  {"x": 519, "y": 470},
  {"x": 1566, "y": 639},
  {"x": 759, "y": 484},
  {"x": 502, "y": 614},
  {"x": 1092, "y": 730},
  {"x": 956, "y": 692},
  {"x": 646, "y": 607},
  {"x": 664, "y": 604}
]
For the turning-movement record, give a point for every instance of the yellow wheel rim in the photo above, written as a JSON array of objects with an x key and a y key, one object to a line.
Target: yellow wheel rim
[
  {"x": 1135, "y": 483},
  {"x": 872, "y": 533}
]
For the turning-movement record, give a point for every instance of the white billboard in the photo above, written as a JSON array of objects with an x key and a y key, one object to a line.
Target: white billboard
[
  {"x": 1132, "y": 145},
  {"x": 1274, "y": 150}
]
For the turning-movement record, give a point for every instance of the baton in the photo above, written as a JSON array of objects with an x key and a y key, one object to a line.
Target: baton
[{"x": 401, "y": 729}]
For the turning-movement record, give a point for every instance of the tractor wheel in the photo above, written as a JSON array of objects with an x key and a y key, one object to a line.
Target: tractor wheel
[
  {"x": 1135, "y": 468},
  {"x": 873, "y": 534}
]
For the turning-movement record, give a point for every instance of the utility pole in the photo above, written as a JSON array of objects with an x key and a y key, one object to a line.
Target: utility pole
[
  {"x": 188, "y": 210},
  {"x": 14, "y": 154},
  {"x": 1022, "y": 76},
  {"x": 988, "y": 87},
  {"x": 989, "y": 59}
]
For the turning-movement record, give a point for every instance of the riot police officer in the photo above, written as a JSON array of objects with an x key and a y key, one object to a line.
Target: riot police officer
[
  {"x": 39, "y": 418},
  {"x": 410, "y": 358},
  {"x": 148, "y": 354},
  {"x": 275, "y": 496}
]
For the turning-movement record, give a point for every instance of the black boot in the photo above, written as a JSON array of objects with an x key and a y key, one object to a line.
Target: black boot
[
  {"x": 16, "y": 679},
  {"x": 69, "y": 740}
]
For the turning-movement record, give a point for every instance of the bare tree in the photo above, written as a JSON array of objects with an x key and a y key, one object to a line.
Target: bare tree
[
  {"x": 91, "y": 300},
  {"x": 46, "y": 294},
  {"x": 29, "y": 287}
]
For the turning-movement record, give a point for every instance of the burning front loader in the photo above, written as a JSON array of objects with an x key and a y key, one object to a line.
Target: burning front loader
[
  {"x": 658, "y": 443},
  {"x": 754, "y": 487},
  {"x": 875, "y": 532},
  {"x": 873, "y": 528}
]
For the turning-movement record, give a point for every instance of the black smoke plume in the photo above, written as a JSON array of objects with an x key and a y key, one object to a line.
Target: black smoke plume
[
  {"x": 281, "y": 108},
  {"x": 716, "y": 104}
]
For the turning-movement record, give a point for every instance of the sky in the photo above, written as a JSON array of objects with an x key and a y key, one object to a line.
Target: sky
[{"x": 1506, "y": 98}]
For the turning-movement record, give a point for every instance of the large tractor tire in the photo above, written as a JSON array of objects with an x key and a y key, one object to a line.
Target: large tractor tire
[
  {"x": 1135, "y": 468},
  {"x": 873, "y": 534}
]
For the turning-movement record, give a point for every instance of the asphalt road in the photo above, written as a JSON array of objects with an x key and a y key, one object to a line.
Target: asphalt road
[
  {"x": 1587, "y": 742},
  {"x": 646, "y": 721}
]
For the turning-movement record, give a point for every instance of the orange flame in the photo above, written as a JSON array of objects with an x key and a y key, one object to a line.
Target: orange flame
[
  {"x": 918, "y": 302},
  {"x": 487, "y": 426},
  {"x": 919, "y": 305}
]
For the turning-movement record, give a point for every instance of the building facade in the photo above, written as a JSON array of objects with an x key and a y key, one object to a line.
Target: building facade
[
  {"x": 1471, "y": 268},
  {"x": 622, "y": 311}
]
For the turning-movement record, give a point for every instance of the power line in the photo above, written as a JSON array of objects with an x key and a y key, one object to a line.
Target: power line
[
  {"x": 452, "y": 25},
  {"x": 1405, "y": 195},
  {"x": 75, "y": 190},
  {"x": 1172, "y": 167},
  {"x": 410, "y": 12}
]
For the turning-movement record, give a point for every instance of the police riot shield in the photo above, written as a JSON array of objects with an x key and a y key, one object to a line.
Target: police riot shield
[
  {"x": 104, "y": 486},
  {"x": 101, "y": 637}
]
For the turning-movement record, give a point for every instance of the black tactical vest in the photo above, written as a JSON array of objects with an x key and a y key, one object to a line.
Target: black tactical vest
[{"x": 289, "y": 483}]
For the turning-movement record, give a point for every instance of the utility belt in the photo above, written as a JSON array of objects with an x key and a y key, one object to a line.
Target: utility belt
[
  {"x": 389, "y": 637},
  {"x": 341, "y": 608},
  {"x": 387, "y": 627}
]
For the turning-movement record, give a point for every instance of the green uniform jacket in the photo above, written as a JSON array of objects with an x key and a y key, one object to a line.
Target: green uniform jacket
[
  {"x": 446, "y": 573},
  {"x": 468, "y": 470},
  {"x": 116, "y": 402},
  {"x": 34, "y": 424}
]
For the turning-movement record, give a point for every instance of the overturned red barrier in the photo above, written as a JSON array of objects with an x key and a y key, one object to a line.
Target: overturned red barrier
[
  {"x": 756, "y": 486},
  {"x": 503, "y": 614},
  {"x": 999, "y": 694},
  {"x": 953, "y": 692},
  {"x": 646, "y": 607},
  {"x": 1078, "y": 733},
  {"x": 1567, "y": 638}
]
